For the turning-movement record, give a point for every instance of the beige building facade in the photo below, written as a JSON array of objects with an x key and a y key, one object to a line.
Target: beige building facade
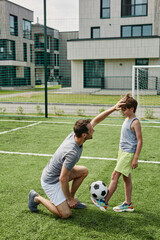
[{"x": 114, "y": 36}]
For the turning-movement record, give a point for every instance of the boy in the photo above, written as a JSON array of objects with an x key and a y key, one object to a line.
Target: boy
[{"x": 129, "y": 150}]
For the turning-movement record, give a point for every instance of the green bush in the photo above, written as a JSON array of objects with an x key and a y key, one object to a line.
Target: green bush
[
  {"x": 20, "y": 110},
  {"x": 149, "y": 113}
]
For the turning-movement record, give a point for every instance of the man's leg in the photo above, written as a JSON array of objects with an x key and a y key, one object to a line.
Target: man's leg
[
  {"x": 62, "y": 210},
  {"x": 128, "y": 188},
  {"x": 78, "y": 174},
  {"x": 113, "y": 185}
]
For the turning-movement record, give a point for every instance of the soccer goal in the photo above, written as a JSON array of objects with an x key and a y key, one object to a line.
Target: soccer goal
[
  {"x": 145, "y": 81},
  {"x": 146, "y": 89}
]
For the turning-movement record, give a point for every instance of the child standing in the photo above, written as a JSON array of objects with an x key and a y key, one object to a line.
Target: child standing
[{"x": 129, "y": 150}]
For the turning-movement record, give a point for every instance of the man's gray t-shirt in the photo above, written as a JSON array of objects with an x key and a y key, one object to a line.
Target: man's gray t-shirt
[{"x": 67, "y": 155}]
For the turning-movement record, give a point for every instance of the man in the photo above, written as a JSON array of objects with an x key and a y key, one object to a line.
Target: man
[{"x": 62, "y": 168}]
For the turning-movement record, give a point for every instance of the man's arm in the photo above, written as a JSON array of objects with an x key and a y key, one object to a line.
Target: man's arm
[
  {"x": 107, "y": 112},
  {"x": 64, "y": 180}
]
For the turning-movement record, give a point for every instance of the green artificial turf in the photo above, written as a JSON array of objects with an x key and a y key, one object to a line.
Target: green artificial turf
[{"x": 21, "y": 173}]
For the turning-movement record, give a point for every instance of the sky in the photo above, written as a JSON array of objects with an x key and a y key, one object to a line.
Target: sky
[{"x": 61, "y": 14}]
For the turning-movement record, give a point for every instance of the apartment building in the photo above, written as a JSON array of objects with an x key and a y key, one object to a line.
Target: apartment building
[
  {"x": 52, "y": 53},
  {"x": 65, "y": 65},
  {"x": 16, "y": 46},
  {"x": 114, "y": 36}
]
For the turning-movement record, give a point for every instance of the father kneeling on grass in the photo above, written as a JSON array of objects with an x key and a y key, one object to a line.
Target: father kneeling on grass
[{"x": 62, "y": 168}]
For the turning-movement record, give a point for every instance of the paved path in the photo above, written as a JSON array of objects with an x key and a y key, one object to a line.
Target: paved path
[
  {"x": 66, "y": 109},
  {"x": 70, "y": 109}
]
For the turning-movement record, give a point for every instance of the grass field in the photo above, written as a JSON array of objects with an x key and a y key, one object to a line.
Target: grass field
[
  {"x": 73, "y": 98},
  {"x": 20, "y": 143}
]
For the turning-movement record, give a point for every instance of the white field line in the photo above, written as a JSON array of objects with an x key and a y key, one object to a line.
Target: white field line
[
  {"x": 15, "y": 129},
  {"x": 29, "y": 154},
  {"x": 82, "y": 157},
  {"x": 12, "y": 120},
  {"x": 100, "y": 124},
  {"x": 115, "y": 159}
]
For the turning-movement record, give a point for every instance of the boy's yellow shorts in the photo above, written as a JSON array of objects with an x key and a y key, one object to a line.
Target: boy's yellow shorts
[{"x": 124, "y": 162}]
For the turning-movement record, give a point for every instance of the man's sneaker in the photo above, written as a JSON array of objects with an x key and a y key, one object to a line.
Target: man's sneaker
[
  {"x": 32, "y": 205},
  {"x": 80, "y": 205},
  {"x": 100, "y": 204},
  {"x": 124, "y": 207}
]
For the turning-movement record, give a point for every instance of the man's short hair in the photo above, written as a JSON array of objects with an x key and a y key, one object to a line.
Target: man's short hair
[{"x": 81, "y": 127}]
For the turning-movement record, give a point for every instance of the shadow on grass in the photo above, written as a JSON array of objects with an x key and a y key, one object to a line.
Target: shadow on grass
[
  {"x": 91, "y": 223},
  {"x": 137, "y": 224}
]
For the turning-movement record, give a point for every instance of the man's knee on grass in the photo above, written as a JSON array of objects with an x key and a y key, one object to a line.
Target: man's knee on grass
[{"x": 66, "y": 214}]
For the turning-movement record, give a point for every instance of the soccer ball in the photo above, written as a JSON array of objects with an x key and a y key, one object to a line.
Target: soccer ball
[{"x": 98, "y": 190}]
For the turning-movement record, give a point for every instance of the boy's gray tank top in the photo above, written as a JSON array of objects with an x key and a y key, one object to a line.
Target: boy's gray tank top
[{"x": 128, "y": 140}]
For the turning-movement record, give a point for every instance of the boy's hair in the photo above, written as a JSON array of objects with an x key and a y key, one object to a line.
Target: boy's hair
[
  {"x": 81, "y": 127},
  {"x": 130, "y": 102}
]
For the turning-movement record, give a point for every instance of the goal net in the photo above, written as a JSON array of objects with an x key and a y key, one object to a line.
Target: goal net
[{"x": 146, "y": 88}]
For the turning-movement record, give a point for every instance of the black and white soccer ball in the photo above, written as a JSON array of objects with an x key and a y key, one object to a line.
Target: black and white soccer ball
[{"x": 98, "y": 190}]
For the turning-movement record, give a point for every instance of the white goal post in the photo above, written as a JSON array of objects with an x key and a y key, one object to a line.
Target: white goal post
[{"x": 145, "y": 80}]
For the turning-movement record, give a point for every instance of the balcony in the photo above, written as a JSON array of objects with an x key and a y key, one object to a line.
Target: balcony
[
  {"x": 13, "y": 63},
  {"x": 113, "y": 48}
]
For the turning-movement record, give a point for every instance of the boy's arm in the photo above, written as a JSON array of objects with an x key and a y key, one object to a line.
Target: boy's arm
[
  {"x": 107, "y": 112},
  {"x": 137, "y": 129}
]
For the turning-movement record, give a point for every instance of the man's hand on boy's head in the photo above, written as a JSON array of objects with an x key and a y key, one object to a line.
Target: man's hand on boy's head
[{"x": 119, "y": 104}]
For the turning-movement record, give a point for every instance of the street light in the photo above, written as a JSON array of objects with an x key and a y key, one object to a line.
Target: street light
[{"x": 45, "y": 60}]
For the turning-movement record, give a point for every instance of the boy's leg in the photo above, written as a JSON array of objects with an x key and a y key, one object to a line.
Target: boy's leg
[
  {"x": 62, "y": 210},
  {"x": 78, "y": 174},
  {"x": 127, "y": 205},
  {"x": 113, "y": 185},
  {"x": 128, "y": 188}
]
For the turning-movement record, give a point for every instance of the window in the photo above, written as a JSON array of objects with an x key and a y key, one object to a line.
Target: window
[
  {"x": 142, "y": 61},
  {"x": 56, "y": 44},
  {"x": 56, "y": 72},
  {"x": 39, "y": 58},
  {"x": 105, "y": 8},
  {"x": 133, "y": 8},
  {"x": 14, "y": 25},
  {"x": 95, "y": 32},
  {"x": 7, "y": 76},
  {"x": 25, "y": 52},
  {"x": 48, "y": 59},
  {"x": 7, "y": 50},
  {"x": 48, "y": 42},
  {"x": 136, "y": 31},
  {"x": 31, "y": 53},
  {"x": 56, "y": 60},
  {"x": 147, "y": 30},
  {"x": 36, "y": 41},
  {"x": 142, "y": 74},
  {"x": 27, "y": 76},
  {"x": 94, "y": 73},
  {"x": 26, "y": 29}
]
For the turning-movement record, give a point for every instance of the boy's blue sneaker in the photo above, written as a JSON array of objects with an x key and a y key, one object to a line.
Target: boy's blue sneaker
[
  {"x": 124, "y": 207},
  {"x": 100, "y": 204},
  {"x": 32, "y": 205}
]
